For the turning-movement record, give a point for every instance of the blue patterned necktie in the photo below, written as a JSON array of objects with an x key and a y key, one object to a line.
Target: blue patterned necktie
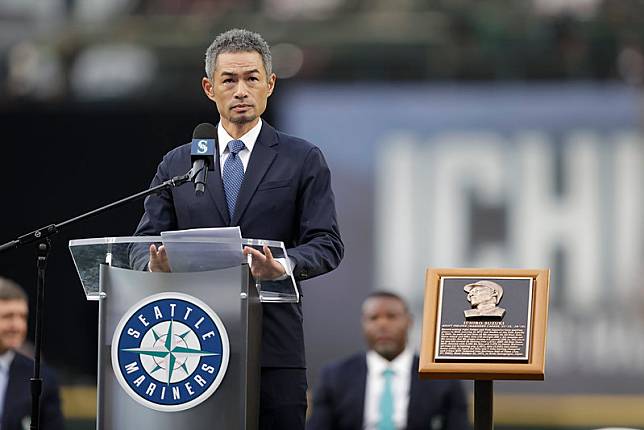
[
  {"x": 386, "y": 405},
  {"x": 233, "y": 174}
]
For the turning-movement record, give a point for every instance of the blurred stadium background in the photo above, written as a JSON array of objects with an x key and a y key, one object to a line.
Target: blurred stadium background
[{"x": 459, "y": 133}]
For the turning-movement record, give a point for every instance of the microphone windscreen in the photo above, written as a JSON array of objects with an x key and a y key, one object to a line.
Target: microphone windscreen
[
  {"x": 204, "y": 144},
  {"x": 205, "y": 130}
]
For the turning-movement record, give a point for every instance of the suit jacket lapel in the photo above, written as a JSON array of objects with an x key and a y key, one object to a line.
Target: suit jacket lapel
[
  {"x": 215, "y": 188},
  {"x": 356, "y": 394},
  {"x": 17, "y": 378},
  {"x": 416, "y": 400},
  {"x": 260, "y": 160}
]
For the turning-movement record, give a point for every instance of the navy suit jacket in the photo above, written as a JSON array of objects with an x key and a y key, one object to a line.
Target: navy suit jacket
[
  {"x": 285, "y": 195},
  {"x": 17, "y": 399},
  {"x": 338, "y": 402}
]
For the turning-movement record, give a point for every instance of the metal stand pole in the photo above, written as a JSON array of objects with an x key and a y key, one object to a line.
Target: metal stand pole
[
  {"x": 483, "y": 410},
  {"x": 36, "y": 380}
]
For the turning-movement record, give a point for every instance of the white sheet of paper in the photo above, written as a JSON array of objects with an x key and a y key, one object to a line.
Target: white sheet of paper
[{"x": 207, "y": 254}]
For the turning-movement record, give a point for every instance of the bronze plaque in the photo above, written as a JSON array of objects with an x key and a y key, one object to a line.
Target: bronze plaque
[{"x": 481, "y": 318}]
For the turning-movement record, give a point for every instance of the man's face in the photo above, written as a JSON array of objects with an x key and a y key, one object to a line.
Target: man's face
[
  {"x": 240, "y": 87},
  {"x": 478, "y": 295},
  {"x": 385, "y": 323},
  {"x": 13, "y": 324}
]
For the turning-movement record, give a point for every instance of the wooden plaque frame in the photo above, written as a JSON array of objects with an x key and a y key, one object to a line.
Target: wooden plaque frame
[{"x": 533, "y": 369}]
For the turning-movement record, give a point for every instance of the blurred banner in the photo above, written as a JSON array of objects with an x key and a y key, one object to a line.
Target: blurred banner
[{"x": 511, "y": 175}]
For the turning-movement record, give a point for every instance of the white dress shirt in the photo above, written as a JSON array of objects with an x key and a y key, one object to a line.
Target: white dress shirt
[
  {"x": 249, "y": 140},
  {"x": 400, "y": 384},
  {"x": 5, "y": 362}
]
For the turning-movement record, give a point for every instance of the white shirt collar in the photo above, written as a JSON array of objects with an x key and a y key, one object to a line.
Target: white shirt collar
[
  {"x": 5, "y": 359},
  {"x": 401, "y": 365},
  {"x": 249, "y": 138}
]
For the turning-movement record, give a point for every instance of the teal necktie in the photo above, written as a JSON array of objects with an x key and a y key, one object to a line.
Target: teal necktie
[{"x": 387, "y": 403}]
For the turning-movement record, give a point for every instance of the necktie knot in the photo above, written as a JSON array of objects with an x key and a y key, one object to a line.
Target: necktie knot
[{"x": 234, "y": 146}]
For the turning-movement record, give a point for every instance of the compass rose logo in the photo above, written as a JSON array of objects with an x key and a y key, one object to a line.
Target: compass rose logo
[{"x": 170, "y": 352}]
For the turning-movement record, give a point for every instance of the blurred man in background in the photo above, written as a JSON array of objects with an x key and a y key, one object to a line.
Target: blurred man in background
[
  {"x": 380, "y": 389},
  {"x": 17, "y": 369}
]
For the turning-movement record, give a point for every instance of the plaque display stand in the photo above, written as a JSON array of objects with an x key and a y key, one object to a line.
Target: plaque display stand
[
  {"x": 483, "y": 405},
  {"x": 112, "y": 273},
  {"x": 484, "y": 324}
]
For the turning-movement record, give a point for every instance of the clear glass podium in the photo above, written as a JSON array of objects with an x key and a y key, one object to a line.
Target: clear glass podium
[{"x": 179, "y": 348}]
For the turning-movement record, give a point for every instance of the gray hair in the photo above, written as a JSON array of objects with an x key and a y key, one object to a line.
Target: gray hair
[
  {"x": 9, "y": 290},
  {"x": 238, "y": 40}
]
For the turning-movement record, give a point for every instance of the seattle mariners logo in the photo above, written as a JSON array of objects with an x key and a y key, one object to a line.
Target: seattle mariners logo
[{"x": 170, "y": 352}]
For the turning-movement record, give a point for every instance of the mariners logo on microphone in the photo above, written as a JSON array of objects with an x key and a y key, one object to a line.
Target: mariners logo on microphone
[
  {"x": 202, "y": 146},
  {"x": 170, "y": 352}
]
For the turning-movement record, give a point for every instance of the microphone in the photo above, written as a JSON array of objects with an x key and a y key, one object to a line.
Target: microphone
[{"x": 202, "y": 154}]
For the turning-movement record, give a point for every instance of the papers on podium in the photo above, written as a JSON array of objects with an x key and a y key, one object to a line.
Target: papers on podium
[{"x": 202, "y": 249}]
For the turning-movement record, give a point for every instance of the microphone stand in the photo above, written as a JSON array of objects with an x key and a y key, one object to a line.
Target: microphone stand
[{"x": 41, "y": 237}]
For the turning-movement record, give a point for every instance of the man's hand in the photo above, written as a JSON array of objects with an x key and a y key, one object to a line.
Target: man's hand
[
  {"x": 264, "y": 266},
  {"x": 158, "y": 259}
]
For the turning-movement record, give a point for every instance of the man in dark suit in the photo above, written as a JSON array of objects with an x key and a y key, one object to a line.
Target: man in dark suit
[
  {"x": 17, "y": 369},
  {"x": 273, "y": 186},
  {"x": 380, "y": 389}
]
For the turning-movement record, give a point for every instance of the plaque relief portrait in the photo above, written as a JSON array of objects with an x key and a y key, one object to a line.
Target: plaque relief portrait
[
  {"x": 484, "y": 296},
  {"x": 485, "y": 331},
  {"x": 501, "y": 334}
]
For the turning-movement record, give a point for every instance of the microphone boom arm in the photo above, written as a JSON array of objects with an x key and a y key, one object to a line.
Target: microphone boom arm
[{"x": 43, "y": 233}]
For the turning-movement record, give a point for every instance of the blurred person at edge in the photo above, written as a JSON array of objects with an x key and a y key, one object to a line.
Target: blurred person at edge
[
  {"x": 354, "y": 393},
  {"x": 16, "y": 369}
]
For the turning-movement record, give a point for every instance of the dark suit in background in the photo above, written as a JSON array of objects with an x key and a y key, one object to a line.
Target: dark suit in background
[
  {"x": 17, "y": 400},
  {"x": 338, "y": 402}
]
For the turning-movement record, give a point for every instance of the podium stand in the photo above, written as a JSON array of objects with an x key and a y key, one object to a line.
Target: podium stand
[{"x": 180, "y": 349}]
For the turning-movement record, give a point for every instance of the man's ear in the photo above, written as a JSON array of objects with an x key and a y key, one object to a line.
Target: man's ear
[
  {"x": 208, "y": 88},
  {"x": 410, "y": 320},
  {"x": 271, "y": 83}
]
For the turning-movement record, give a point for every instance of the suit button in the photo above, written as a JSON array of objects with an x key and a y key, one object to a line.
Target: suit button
[{"x": 304, "y": 275}]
